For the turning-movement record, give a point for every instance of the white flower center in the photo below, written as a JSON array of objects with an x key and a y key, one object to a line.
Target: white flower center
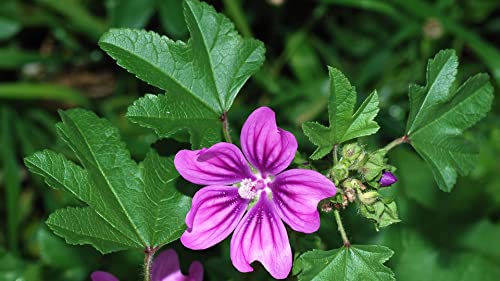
[{"x": 249, "y": 189}]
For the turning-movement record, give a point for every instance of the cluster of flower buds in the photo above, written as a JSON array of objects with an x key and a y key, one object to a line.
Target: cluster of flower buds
[{"x": 360, "y": 175}]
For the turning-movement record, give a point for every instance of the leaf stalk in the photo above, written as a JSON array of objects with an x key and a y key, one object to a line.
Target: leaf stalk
[
  {"x": 396, "y": 142},
  {"x": 225, "y": 127},
  {"x": 148, "y": 262},
  {"x": 341, "y": 229}
]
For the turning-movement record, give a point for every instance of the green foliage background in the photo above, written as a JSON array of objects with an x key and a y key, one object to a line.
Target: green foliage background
[{"x": 49, "y": 59}]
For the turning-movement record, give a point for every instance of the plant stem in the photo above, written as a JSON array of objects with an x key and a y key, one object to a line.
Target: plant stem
[
  {"x": 341, "y": 229},
  {"x": 335, "y": 156},
  {"x": 396, "y": 142},
  {"x": 225, "y": 127},
  {"x": 148, "y": 261}
]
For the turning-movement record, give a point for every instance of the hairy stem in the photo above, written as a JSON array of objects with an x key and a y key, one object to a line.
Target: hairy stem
[
  {"x": 396, "y": 142},
  {"x": 225, "y": 127},
  {"x": 341, "y": 229},
  {"x": 148, "y": 262}
]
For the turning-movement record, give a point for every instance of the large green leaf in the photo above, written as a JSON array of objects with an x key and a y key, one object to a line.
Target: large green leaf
[
  {"x": 211, "y": 67},
  {"x": 167, "y": 114},
  {"x": 344, "y": 123},
  {"x": 358, "y": 262},
  {"x": 129, "y": 205},
  {"x": 439, "y": 116}
]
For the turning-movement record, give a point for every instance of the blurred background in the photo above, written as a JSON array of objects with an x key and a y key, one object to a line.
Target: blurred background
[{"x": 50, "y": 60}]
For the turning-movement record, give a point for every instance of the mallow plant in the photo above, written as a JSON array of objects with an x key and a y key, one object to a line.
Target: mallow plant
[{"x": 251, "y": 194}]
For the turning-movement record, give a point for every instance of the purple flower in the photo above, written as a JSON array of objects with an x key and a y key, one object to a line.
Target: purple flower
[
  {"x": 165, "y": 268},
  {"x": 387, "y": 179},
  {"x": 252, "y": 200}
]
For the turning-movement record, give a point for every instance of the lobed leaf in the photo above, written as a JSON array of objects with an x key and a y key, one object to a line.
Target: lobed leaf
[
  {"x": 357, "y": 262},
  {"x": 439, "y": 116},
  {"x": 129, "y": 205},
  {"x": 345, "y": 124},
  {"x": 167, "y": 114},
  {"x": 211, "y": 67}
]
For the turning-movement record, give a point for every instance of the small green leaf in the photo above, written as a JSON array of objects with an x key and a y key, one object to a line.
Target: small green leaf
[
  {"x": 129, "y": 205},
  {"x": 345, "y": 124},
  {"x": 439, "y": 116},
  {"x": 211, "y": 67},
  {"x": 357, "y": 262},
  {"x": 167, "y": 114}
]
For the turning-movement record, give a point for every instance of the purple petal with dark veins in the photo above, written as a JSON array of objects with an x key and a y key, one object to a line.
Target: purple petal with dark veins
[
  {"x": 261, "y": 236},
  {"x": 214, "y": 215},
  {"x": 296, "y": 194},
  {"x": 221, "y": 164},
  {"x": 267, "y": 147}
]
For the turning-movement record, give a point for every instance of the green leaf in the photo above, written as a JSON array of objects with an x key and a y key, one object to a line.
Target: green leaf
[
  {"x": 358, "y": 262},
  {"x": 439, "y": 116},
  {"x": 211, "y": 67},
  {"x": 130, "y": 205},
  {"x": 41, "y": 91},
  {"x": 167, "y": 114},
  {"x": 11, "y": 176},
  {"x": 344, "y": 123}
]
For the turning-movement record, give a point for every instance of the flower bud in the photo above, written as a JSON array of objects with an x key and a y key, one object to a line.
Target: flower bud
[
  {"x": 351, "y": 152},
  {"x": 340, "y": 171},
  {"x": 387, "y": 179},
  {"x": 369, "y": 197},
  {"x": 354, "y": 184},
  {"x": 374, "y": 165}
]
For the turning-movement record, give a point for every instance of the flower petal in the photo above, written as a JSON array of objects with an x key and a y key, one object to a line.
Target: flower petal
[
  {"x": 267, "y": 147},
  {"x": 214, "y": 215},
  {"x": 296, "y": 194},
  {"x": 196, "y": 271},
  {"x": 223, "y": 163},
  {"x": 103, "y": 276},
  {"x": 166, "y": 267},
  {"x": 261, "y": 236}
]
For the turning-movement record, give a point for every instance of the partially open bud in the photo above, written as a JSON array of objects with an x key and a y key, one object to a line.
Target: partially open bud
[{"x": 387, "y": 179}]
